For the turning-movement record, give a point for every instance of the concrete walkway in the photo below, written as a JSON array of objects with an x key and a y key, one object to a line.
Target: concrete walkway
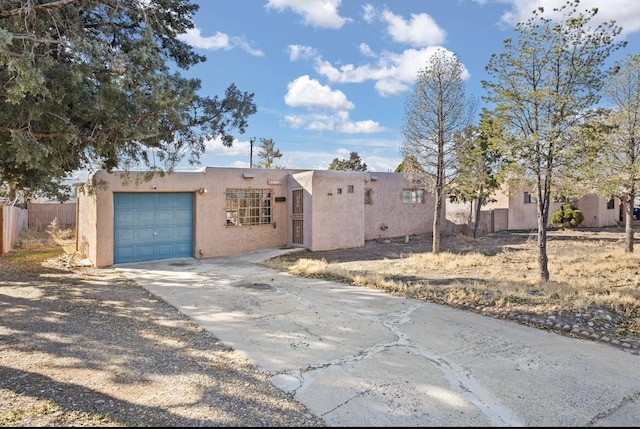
[{"x": 361, "y": 357}]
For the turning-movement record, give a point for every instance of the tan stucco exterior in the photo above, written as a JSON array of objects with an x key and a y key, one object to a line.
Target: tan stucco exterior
[
  {"x": 335, "y": 214},
  {"x": 523, "y": 215}
]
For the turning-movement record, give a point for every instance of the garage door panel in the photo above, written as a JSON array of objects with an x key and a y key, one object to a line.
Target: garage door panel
[
  {"x": 144, "y": 200},
  {"x": 164, "y": 250},
  {"x": 164, "y": 234},
  {"x": 183, "y": 217},
  {"x": 149, "y": 226},
  {"x": 144, "y": 217},
  {"x": 183, "y": 247},
  {"x": 145, "y": 252},
  {"x": 183, "y": 199},
  {"x": 164, "y": 218},
  {"x": 125, "y": 236},
  {"x": 126, "y": 201},
  {"x": 144, "y": 235},
  {"x": 124, "y": 217},
  {"x": 124, "y": 253},
  {"x": 182, "y": 234},
  {"x": 165, "y": 200}
]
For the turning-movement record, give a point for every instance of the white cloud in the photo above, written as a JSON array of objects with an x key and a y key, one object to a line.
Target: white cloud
[
  {"x": 219, "y": 41},
  {"x": 216, "y": 147},
  {"x": 366, "y": 50},
  {"x": 393, "y": 73},
  {"x": 360, "y": 127},
  {"x": 297, "y": 52},
  {"x": 421, "y": 30},
  {"x": 306, "y": 92},
  {"x": 626, "y": 13},
  {"x": 368, "y": 13},
  {"x": 316, "y": 13},
  {"x": 338, "y": 122}
]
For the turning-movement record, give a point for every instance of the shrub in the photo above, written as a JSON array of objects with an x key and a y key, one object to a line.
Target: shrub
[{"x": 567, "y": 216}]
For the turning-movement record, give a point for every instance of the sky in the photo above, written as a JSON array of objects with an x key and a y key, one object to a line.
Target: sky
[{"x": 331, "y": 77}]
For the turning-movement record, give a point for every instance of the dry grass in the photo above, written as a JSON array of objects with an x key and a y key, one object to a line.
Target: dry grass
[{"x": 588, "y": 270}]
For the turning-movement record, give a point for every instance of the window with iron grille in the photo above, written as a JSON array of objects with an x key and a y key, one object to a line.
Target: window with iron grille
[
  {"x": 413, "y": 196},
  {"x": 245, "y": 207},
  {"x": 368, "y": 193}
]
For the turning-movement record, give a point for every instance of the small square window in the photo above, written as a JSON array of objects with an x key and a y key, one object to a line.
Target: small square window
[
  {"x": 350, "y": 189},
  {"x": 528, "y": 198},
  {"x": 339, "y": 191},
  {"x": 413, "y": 196},
  {"x": 611, "y": 204}
]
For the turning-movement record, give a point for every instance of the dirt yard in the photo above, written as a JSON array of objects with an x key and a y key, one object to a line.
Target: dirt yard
[
  {"x": 593, "y": 292},
  {"x": 86, "y": 347}
]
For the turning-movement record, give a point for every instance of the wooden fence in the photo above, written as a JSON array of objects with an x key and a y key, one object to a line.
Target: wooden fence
[
  {"x": 13, "y": 221},
  {"x": 42, "y": 214}
]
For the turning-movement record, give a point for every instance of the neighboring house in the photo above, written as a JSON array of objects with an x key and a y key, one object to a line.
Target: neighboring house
[
  {"x": 518, "y": 211},
  {"x": 219, "y": 211},
  {"x": 598, "y": 212}
]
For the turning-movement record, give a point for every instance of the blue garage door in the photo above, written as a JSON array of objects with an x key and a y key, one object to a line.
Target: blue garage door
[{"x": 150, "y": 226}]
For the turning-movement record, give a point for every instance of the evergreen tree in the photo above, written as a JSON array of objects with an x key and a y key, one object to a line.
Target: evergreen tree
[
  {"x": 87, "y": 85},
  {"x": 268, "y": 154},
  {"x": 354, "y": 163}
]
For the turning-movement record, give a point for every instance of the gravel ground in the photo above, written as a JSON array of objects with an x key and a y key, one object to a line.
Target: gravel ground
[{"x": 86, "y": 347}]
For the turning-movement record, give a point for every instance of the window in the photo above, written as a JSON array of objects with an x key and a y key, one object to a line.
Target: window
[
  {"x": 611, "y": 204},
  {"x": 367, "y": 196},
  {"x": 528, "y": 198},
  {"x": 349, "y": 189},
  {"x": 413, "y": 196},
  {"x": 339, "y": 191},
  {"x": 248, "y": 207}
]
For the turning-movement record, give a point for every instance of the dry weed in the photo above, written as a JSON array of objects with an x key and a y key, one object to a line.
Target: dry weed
[{"x": 588, "y": 270}]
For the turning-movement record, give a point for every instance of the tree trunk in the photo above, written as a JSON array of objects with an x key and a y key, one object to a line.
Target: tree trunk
[
  {"x": 436, "y": 222},
  {"x": 477, "y": 221},
  {"x": 628, "y": 225},
  {"x": 543, "y": 217}
]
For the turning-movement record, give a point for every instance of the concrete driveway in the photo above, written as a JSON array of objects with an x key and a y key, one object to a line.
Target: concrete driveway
[{"x": 361, "y": 357}]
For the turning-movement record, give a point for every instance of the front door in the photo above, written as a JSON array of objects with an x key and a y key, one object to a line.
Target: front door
[{"x": 297, "y": 221}]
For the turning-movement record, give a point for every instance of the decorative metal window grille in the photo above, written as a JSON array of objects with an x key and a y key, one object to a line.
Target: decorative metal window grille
[
  {"x": 245, "y": 207},
  {"x": 413, "y": 196},
  {"x": 368, "y": 194}
]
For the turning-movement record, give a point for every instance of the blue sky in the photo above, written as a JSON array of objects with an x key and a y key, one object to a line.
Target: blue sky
[{"x": 331, "y": 77}]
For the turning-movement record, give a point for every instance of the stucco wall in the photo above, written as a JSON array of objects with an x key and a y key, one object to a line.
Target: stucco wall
[
  {"x": 387, "y": 216},
  {"x": 338, "y": 210},
  {"x": 211, "y": 235},
  {"x": 86, "y": 224},
  {"x": 332, "y": 220},
  {"x": 523, "y": 216}
]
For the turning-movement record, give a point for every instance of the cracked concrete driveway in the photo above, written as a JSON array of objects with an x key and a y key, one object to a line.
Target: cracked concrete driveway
[{"x": 360, "y": 357}]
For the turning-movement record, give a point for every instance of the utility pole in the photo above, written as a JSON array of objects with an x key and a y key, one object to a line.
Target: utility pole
[{"x": 251, "y": 141}]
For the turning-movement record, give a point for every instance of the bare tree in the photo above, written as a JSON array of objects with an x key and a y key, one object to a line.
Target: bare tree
[
  {"x": 543, "y": 87},
  {"x": 618, "y": 155},
  {"x": 437, "y": 110}
]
